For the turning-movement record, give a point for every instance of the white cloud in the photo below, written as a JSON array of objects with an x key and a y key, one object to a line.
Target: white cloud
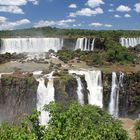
[
  {"x": 127, "y": 16},
  {"x": 110, "y": 10},
  {"x": 97, "y": 24},
  {"x": 17, "y": 2},
  {"x": 60, "y": 23},
  {"x": 11, "y": 9},
  {"x": 2, "y": 19},
  {"x": 117, "y": 16},
  {"x": 137, "y": 7},
  {"x": 108, "y": 25},
  {"x": 73, "y": 6},
  {"x": 13, "y": 6},
  {"x": 9, "y": 25},
  {"x": 77, "y": 25},
  {"x": 13, "y": 2},
  {"x": 87, "y": 12},
  {"x": 111, "y": 4},
  {"x": 94, "y": 3},
  {"x": 123, "y": 8}
]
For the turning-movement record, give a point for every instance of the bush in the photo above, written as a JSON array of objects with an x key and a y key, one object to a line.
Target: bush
[
  {"x": 65, "y": 55},
  {"x": 117, "y": 53},
  {"x": 77, "y": 122},
  {"x": 71, "y": 122},
  {"x": 137, "y": 127}
]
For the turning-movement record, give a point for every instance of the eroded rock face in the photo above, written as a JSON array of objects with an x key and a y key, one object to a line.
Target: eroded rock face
[
  {"x": 65, "y": 89},
  {"x": 85, "y": 91},
  {"x": 129, "y": 102},
  {"x": 17, "y": 96},
  {"x": 129, "y": 95},
  {"x": 107, "y": 80}
]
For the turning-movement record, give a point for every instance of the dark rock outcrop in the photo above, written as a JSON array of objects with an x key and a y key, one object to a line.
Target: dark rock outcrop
[
  {"x": 17, "y": 96},
  {"x": 65, "y": 89},
  {"x": 129, "y": 95}
]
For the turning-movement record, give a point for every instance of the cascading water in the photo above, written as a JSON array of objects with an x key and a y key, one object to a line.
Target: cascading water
[
  {"x": 94, "y": 85},
  {"x": 30, "y": 45},
  {"x": 85, "y": 44},
  {"x": 129, "y": 42},
  {"x": 45, "y": 95},
  {"x": 79, "y": 91},
  {"x": 114, "y": 97},
  {"x": 121, "y": 78}
]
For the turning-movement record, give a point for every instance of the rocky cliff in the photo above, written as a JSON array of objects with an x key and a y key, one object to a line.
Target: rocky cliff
[
  {"x": 18, "y": 93},
  {"x": 129, "y": 94},
  {"x": 17, "y": 96}
]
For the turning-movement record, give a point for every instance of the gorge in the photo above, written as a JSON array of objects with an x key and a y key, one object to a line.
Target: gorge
[{"x": 115, "y": 91}]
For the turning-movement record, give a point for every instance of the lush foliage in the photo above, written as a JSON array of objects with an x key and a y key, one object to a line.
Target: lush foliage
[
  {"x": 113, "y": 53},
  {"x": 117, "y": 53},
  {"x": 24, "y": 131},
  {"x": 137, "y": 127},
  {"x": 78, "y": 122},
  {"x": 49, "y": 31},
  {"x": 72, "y": 122}
]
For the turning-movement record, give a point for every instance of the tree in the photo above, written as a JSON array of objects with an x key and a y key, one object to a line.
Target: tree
[
  {"x": 70, "y": 122},
  {"x": 87, "y": 122}
]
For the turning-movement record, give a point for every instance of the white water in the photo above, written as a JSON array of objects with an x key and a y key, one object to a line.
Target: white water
[
  {"x": 79, "y": 91},
  {"x": 45, "y": 95},
  {"x": 94, "y": 85},
  {"x": 30, "y": 45},
  {"x": 129, "y": 42},
  {"x": 114, "y": 98},
  {"x": 84, "y": 44}
]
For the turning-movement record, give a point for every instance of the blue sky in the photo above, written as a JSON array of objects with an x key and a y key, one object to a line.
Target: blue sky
[{"x": 84, "y": 14}]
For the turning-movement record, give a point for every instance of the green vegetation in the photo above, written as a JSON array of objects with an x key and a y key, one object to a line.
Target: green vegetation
[
  {"x": 71, "y": 122},
  {"x": 117, "y": 53},
  {"x": 53, "y": 32},
  {"x": 137, "y": 127},
  {"x": 113, "y": 53}
]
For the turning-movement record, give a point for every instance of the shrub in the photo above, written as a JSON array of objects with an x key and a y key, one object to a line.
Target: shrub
[
  {"x": 77, "y": 122},
  {"x": 70, "y": 122},
  {"x": 117, "y": 53},
  {"x": 137, "y": 127}
]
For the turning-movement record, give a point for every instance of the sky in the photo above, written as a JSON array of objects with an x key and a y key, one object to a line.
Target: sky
[{"x": 83, "y": 14}]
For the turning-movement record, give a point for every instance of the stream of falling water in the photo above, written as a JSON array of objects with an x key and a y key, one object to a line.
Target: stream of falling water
[
  {"x": 45, "y": 95},
  {"x": 94, "y": 85}
]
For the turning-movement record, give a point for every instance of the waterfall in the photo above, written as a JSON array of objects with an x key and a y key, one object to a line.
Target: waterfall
[
  {"x": 30, "y": 45},
  {"x": 114, "y": 97},
  {"x": 45, "y": 95},
  {"x": 79, "y": 91},
  {"x": 129, "y": 42},
  {"x": 84, "y": 44},
  {"x": 94, "y": 85}
]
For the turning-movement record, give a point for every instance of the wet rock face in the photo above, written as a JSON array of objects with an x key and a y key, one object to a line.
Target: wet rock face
[
  {"x": 85, "y": 90},
  {"x": 17, "y": 97},
  {"x": 65, "y": 90},
  {"x": 107, "y": 81},
  {"x": 69, "y": 43},
  {"x": 129, "y": 95},
  {"x": 99, "y": 43}
]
